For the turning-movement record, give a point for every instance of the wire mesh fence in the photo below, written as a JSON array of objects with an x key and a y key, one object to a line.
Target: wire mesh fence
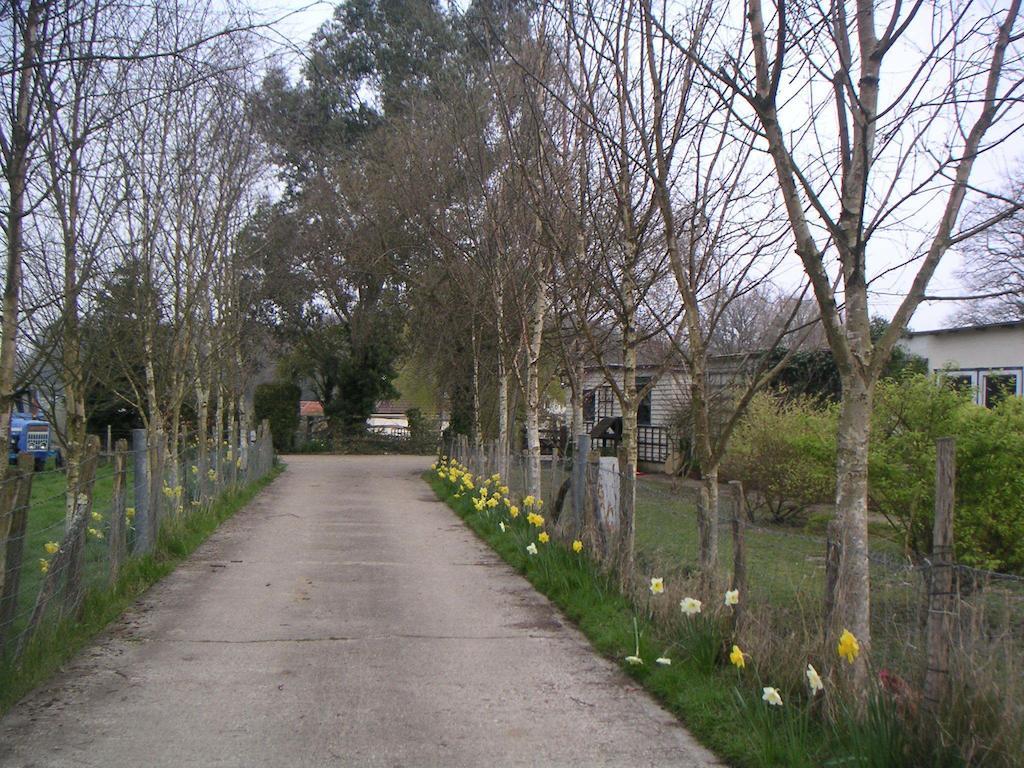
[
  {"x": 784, "y": 581},
  {"x": 57, "y": 545}
]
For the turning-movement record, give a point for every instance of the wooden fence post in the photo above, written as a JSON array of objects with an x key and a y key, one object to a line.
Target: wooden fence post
[
  {"x": 14, "y": 504},
  {"x": 739, "y": 551},
  {"x": 579, "y": 483},
  {"x": 73, "y": 590},
  {"x": 941, "y": 597},
  {"x": 117, "y": 507}
]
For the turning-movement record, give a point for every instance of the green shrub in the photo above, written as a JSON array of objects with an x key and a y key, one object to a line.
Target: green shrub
[
  {"x": 279, "y": 402},
  {"x": 910, "y": 415},
  {"x": 989, "y": 517},
  {"x": 784, "y": 452}
]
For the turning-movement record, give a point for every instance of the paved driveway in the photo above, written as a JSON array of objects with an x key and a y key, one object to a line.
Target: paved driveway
[{"x": 344, "y": 618}]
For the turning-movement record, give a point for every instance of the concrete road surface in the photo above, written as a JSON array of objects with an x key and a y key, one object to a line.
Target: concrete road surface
[{"x": 345, "y": 618}]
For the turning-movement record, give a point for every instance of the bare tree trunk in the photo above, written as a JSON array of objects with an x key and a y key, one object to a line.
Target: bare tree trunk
[
  {"x": 475, "y": 426},
  {"x": 503, "y": 377},
  {"x": 852, "y": 599},
  {"x": 16, "y": 163},
  {"x": 540, "y": 306}
]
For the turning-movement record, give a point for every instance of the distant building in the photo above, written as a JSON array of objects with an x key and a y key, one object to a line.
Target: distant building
[{"x": 987, "y": 359}]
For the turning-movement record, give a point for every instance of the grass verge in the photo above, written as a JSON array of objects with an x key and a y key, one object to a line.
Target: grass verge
[
  {"x": 710, "y": 700},
  {"x": 56, "y": 642}
]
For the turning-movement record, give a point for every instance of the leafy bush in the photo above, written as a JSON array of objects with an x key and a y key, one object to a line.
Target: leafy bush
[
  {"x": 989, "y": 518},
  {"x": 784, "y": 452},
  {"x": 910, "y": 414},
  {"x": 279, "y": 402}
]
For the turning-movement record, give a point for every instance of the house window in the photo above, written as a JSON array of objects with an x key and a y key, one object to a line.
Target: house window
[
  {"x": 959, "y": 382},
  {"x": 643, "y": 411},
  {"x": 999, "y": 386},
  {"x": 589, "y": 405}
]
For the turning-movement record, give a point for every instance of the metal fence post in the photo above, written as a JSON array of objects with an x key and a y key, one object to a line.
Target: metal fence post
[{"x": 144, "y": 537}]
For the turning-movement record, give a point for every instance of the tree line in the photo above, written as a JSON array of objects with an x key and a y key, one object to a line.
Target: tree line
[{"x": 494, "y": 199}]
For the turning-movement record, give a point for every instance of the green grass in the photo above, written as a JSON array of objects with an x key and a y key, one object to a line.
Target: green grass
[
  {"x": 46, "y": 523},
  {"x": 57, "y": 641},
  {"x": 707, "y": 700},
  {"x": 722, "y": 706}
]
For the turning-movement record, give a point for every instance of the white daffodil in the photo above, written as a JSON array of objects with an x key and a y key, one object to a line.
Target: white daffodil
[
  {"x": 531, "y": 548},
  {"x": 814, "y": 680},
  {"x": 664, "y": 661},
  {"x": 657, "y": 586},
  {"x": 502, "y": 526},
  {"x": 772, "y": 697},
  {"x": 732, "y": 597},
  {"x": 690, "y": 606},
  {"x": 634, "y": 660}
]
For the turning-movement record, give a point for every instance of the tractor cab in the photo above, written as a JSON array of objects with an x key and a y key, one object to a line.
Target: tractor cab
[{"x": 30, "y": 431}]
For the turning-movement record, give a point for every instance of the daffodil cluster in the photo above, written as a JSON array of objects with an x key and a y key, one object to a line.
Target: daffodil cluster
[{"x": 491, "y": 496}]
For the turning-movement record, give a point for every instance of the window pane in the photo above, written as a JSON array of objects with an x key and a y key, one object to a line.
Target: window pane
[
  {"x": 643, "y": 411},
  {"x": 999, "y": 386}
]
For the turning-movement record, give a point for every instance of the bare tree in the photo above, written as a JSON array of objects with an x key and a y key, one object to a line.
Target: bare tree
[
  {"x": 993, "y": 264},
  {"x": 888, "y": 172}
]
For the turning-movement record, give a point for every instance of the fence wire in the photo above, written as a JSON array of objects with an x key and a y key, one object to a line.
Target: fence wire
[
  {"x": 786, "y": 568},
  {"x": 47, "y": 571}
]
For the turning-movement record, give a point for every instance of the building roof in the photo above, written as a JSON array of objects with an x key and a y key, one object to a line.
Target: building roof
[
  {"x": 965, "y": 328},
  {"x": 311, "y": 408}
]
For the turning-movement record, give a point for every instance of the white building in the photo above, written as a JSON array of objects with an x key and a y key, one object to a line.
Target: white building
[{"x": 987, "y": 358}]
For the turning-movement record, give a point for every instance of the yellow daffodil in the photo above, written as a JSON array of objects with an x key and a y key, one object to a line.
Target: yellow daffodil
[
  {"x": 528, "y": 501},
  {"x": 212, "y": 474},
  {"x": 513, "y": 511},
  {"x": 732, "y": 597},
  {"x": 543, "y": 538},
  {"x": 51, "y": 547},
  {"x": 44, "y": 565},
  {"x": 504, "y": 490},
  {"x": 736, "y": 658},
  {"x": 95, "y": 533},
  {"x": 492, "y": 503},
  {"x": 577, "y": 546},
  {"x": 814, "y": 680},
  {"x": 129, "y": 512},
  {"x": 540, "y": 503},
  {"x": 690, "y": 606},
  {"x": 772, "y": 697},
  {"x": 168, "y": 492},
  {"x": 96, "y": 517},
  {"x": 195, "y": 469},
  {"x": 657, "y": 586},
  {"x": 531, "y": 548},
  {"x": 848, "y": 647}
]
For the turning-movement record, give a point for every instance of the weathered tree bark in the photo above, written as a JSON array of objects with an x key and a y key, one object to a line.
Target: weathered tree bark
[
  {"x": 533, "y": 350},
  {"x": 17, "y": 157},
  {"x": 852, "y": 599}
]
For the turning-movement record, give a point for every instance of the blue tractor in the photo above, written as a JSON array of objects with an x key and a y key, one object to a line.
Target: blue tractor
[{"x": 30, "y": 432}]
